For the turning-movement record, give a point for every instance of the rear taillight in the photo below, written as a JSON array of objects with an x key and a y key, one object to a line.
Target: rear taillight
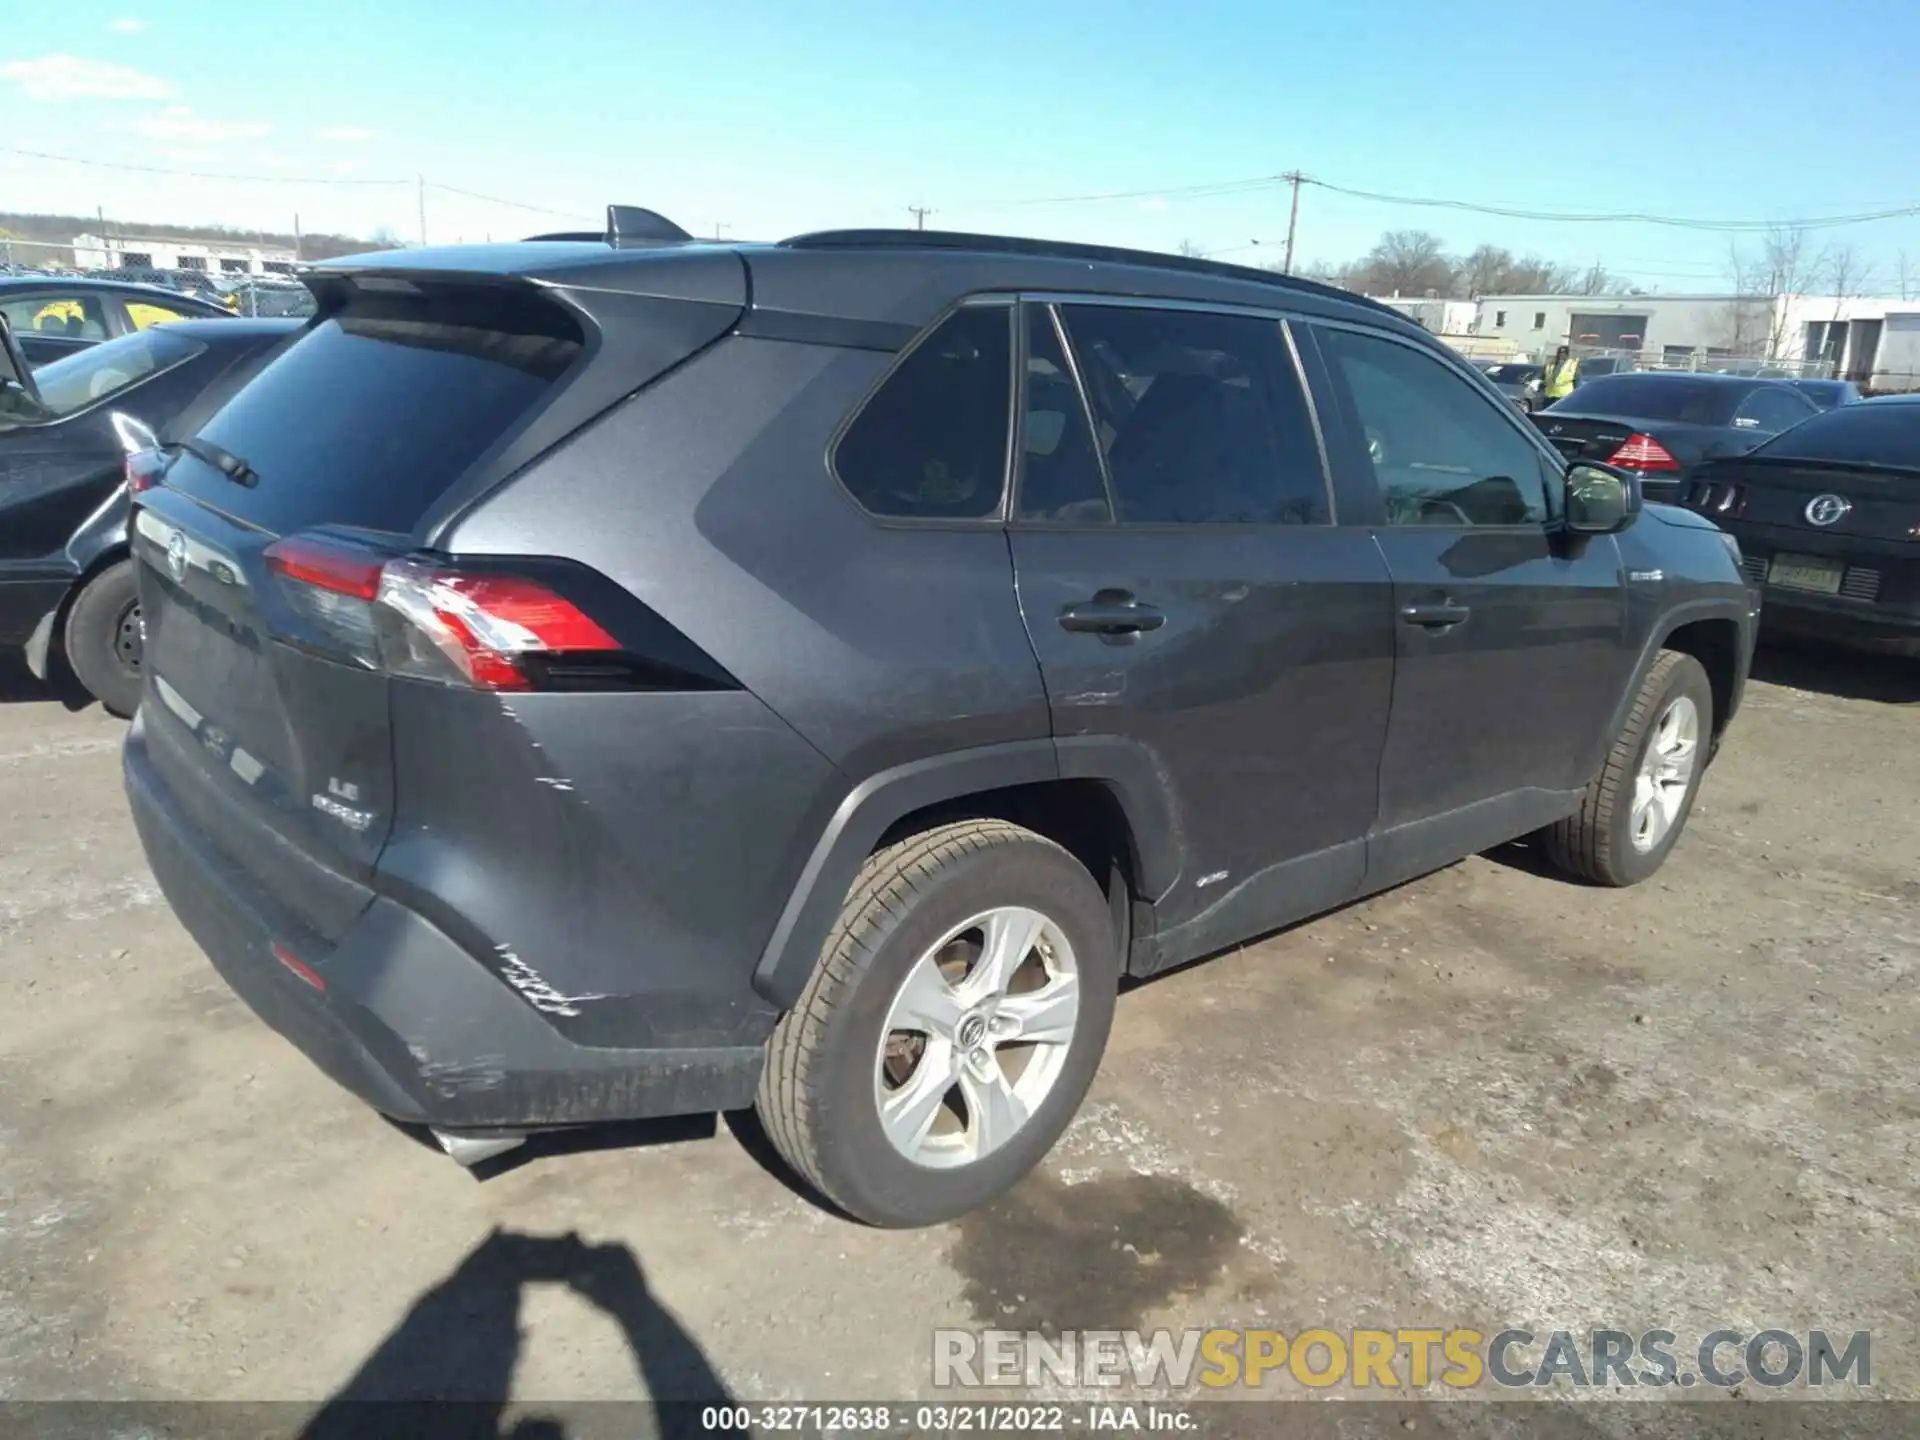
[
  {"x": 1643, "y": 452},
  {"x": 144, "y": 470},
  {"x": 431, "y": 621}
]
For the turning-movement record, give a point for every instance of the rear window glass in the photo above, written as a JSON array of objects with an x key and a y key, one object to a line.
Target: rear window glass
[
  {"x": 1871, "y": 434},
  {"x": 369, "y": 418},
  {"x": 1658, "y": 397},
  {"x": 101, "y": 371},
  {"x": 932, "y": 442}
]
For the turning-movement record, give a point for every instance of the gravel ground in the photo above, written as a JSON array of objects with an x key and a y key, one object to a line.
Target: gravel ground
[{"x": 1487, "y": 1098}]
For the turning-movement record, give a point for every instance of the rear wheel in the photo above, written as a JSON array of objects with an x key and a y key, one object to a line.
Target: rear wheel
[
  {"x": 1635, "y": 809},
  {"x": 105, "y": 639},
  {"x": 952, "y": 1027}
]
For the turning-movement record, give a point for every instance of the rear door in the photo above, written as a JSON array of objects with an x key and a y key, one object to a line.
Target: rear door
[
  {"x": 1196, "y": 605},
  {"x": 1510, "y": 634},
  {"x": 276, "y": 740}
]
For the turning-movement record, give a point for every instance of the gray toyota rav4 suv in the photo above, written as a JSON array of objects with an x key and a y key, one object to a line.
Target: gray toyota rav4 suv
[{"x": 615, "y": 676}]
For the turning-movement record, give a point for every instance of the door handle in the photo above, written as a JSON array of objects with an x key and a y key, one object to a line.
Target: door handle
[
  {"x": 1435, "y": 615},
  {"x": 1111, "y": 612}
]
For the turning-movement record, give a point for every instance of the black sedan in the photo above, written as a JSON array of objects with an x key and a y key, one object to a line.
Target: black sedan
[
  {"x": 1828, "y": 516},
  {"x": 1829, "y": 393},
  {"x": 1660, "y": 425},
  {"x": 66, "y": 432},
  {"x": 52, "y": 316}
]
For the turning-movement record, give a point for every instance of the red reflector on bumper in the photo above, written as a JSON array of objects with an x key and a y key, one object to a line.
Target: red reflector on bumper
[{"x": 299, "y": 967}]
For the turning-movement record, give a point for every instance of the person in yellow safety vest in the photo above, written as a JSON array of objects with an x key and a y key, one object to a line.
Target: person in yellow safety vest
[{"x": 1557, "y": 383}]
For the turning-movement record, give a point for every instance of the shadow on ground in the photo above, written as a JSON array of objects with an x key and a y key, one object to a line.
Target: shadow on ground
[
  {"x": 447, "y": 1368},
  {"x": 1829, "y": 670}
]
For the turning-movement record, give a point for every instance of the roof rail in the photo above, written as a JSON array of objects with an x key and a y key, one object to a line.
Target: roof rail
[
  {"x": 1067, "y": 250},
  {"x": 626, "y": 225}
]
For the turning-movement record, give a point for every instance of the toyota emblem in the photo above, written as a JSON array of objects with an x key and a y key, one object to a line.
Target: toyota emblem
[
  {"x": 177, "y": 556},
  {"x": 1827, "y": 509}
]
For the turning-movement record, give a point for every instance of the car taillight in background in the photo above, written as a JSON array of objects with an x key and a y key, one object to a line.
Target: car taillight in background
[
  {"x": 430, "y": 621},
  {"x": 144, "y": 470},
  {"x": 1643, "y": 452}
]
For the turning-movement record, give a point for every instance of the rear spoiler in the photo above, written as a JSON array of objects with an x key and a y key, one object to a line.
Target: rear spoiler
[{"x": 628, "y": 225}]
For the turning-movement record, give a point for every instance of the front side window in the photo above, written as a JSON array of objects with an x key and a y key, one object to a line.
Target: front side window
[
  {"x": 1441, "y": 452},
  {"x": 931, "y": 443},
  {"x": 1200, "y": 417},
  {"x": 91, "y": 375},
  {"x": 142, "y": 313}
]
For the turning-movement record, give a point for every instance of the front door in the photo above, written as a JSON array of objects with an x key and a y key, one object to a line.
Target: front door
[
  {"x": 1197, "y": 612},
  {"x": 1509, "y": 632}
]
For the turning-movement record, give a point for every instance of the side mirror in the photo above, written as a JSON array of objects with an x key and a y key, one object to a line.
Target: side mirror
[{"x": 1600, "y": 499}]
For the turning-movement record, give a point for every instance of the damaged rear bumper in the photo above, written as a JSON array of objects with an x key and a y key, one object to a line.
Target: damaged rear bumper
[{"x": 407, "y": 1020}]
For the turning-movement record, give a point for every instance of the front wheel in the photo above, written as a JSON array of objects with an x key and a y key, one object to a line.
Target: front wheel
[
  {"x": 1635, "y": 809},
  {"x": 952, "y": 1027}
]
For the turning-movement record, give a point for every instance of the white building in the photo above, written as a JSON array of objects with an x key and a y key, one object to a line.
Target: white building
[
  {"x": 115, "y": 252},
  {"x": 1871, "y": 341}
]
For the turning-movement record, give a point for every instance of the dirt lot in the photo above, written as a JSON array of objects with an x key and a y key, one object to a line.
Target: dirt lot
[{"x": 1488, "y": 1098}]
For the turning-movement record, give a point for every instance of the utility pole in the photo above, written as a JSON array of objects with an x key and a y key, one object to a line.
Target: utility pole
[
  {"x": 299, "y": 254},
  {"x": 1292, "y": 177},
  {"x": 919, "y": 213},
  {"x": 719, "y": 226},
  {"x": 423, "y": 207}
]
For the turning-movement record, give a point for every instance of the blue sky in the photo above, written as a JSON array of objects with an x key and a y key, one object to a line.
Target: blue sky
[{"x": 768, "y": 119}]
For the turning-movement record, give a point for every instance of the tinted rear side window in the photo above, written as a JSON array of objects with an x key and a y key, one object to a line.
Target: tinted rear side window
[
  {"x": 931, "y": 443},
  {"x": 371, "y": 416},
  {"x": 1657, "y": 397},
  {"x": 94, "y": 374},
  {"x": 1201, "y": 417},
  {"x": 1873, "y": 434}
]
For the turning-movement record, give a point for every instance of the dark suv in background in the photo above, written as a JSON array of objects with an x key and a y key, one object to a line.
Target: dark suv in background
[{"x": 616, "y": 676}]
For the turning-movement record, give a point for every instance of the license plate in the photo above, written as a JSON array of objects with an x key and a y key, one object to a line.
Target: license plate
[{"x": 1805, "y": 572}]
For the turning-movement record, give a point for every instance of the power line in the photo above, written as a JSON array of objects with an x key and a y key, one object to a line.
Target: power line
[
  {"x": 200, "y": 174},
  {"x": 1810, "y": 222},
  {"x": 501, "y": 200},
  {"x": 1254, "y": 183}
]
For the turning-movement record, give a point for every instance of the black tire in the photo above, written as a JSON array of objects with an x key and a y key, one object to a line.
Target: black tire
[
  {"x": 1595, "y": 842},
  {"x": 103, "y": 639},
  {"x": 817, "y": 1093}
]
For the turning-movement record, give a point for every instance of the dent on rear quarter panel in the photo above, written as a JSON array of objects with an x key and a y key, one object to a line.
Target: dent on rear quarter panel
[
  {"x": 617, "y": 858},
  {"x": 708, "y": 496}
]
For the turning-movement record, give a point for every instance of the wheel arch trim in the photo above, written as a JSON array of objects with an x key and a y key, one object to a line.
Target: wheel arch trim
[{"x": 879, "y": 802}]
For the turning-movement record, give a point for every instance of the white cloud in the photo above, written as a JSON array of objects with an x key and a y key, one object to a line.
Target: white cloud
[
  {"x": 1154, "y": 204},
  {"x": 68, "y": 77},
  {"x": 343, "y": 167},
  {"x": 343, "y": 135},
  {"x": 178, "y": 122},
  {"x": 127, "y": 26}
]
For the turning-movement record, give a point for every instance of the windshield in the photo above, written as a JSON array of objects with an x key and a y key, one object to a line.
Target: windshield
[
  {"x": 1854, "y": 434},
  {"x": 1511, "y": 374},
  {"x": 91, "y": 375},
  {"x": 1658, "y": 397}
]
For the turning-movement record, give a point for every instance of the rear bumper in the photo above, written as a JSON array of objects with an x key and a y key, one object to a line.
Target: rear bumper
[
  {"x": 408, "y": 1021},
  {"x": 1856, "y": 624}
]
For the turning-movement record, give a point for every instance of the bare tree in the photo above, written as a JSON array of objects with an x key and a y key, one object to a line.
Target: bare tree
[
  {"x": 1849, "y": 274},
  {"x": 1786, "y": 263},
  {"x": 1191, "y": 249},
  {"x": 1408, "y": 262},
  {"x": 1484, "y": 272},
  {"x": 1906, "y": 277}
]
